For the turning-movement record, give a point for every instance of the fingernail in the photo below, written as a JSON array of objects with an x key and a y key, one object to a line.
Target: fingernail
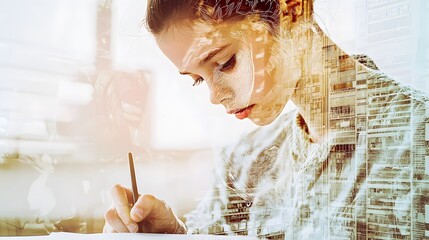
[
  {"x": 138, "y": 213},
  {"x": 133, "y": 228}
]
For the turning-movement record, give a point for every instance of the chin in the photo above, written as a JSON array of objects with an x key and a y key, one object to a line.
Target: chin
[
  {"x": 265, "y": 120},
  {"x": 262, "y": 122}
]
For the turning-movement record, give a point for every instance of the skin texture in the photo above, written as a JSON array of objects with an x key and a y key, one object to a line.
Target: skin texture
[
  {"x": 156, "y": 215},
  {"x": 266, "y": 73},
  {"x": 250, "y": 81}
]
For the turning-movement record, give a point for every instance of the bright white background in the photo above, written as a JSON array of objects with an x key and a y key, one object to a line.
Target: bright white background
[
  {"x": 404, "y": 56},
  {"x": 48, "y": 46}
]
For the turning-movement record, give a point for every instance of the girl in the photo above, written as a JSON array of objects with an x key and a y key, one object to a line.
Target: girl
[{"x": 345, "y": 163}]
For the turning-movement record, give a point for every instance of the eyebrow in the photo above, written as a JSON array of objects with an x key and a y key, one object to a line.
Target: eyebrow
[
  {"x": 209, "y": 56},
  {"x": 213, "y": 53}
]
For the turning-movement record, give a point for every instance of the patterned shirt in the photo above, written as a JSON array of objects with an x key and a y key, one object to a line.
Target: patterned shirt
[{"x": 368, "y": 181}]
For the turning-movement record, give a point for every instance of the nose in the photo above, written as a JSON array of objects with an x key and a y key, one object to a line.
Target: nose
[
  {"x": 215, "y": 96},
  {"x": 217, "y": 93},
  {"x": 220, "y": 91}
]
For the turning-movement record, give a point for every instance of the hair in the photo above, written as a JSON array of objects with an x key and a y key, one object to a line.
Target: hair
[{"x": 161, "y": 14}]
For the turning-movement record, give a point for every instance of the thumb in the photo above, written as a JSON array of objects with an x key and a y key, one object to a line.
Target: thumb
[{"x": 143, "y": 207}]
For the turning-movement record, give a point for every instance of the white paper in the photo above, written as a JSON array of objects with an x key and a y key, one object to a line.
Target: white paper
[{"x": 126, "y": 236}]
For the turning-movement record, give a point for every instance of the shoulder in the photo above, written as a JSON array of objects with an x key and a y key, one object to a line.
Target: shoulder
[
  {"x": 365, "y": 60},
  {"x": 382, "y": 84}
]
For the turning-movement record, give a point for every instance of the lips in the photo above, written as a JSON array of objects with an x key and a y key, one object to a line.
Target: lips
[{"x": 243, "y": 112}]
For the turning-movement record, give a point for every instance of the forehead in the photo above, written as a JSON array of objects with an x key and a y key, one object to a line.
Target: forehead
[
  {"x": 184, "y": 44},
  {"x": 178, "y": 42}
]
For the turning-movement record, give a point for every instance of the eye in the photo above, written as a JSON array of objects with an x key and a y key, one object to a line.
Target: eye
[
  {"x": 229, "y": 65},
  {"x": 198, "y": 81}
]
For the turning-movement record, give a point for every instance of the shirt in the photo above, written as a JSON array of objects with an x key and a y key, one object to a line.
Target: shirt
[{"x": 368, "y": 180}]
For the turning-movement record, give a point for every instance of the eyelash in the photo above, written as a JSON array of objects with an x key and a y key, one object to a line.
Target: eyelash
[
  {"x": 198, "y": 81},
  {"x": 229, "y": 65}
]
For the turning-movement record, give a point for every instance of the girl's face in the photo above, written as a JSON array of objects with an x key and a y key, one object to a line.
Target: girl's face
[{"x": 234, "y": 59}]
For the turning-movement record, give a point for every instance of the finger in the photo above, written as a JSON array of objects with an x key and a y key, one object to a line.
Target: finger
[
  {"x": 113, "y": 222},
  {"x": 108, "y": 229},
  {"x": 143, "y": 207},
  {"x": 122, "y": 206},
  {"x": 130, "y": 196}
]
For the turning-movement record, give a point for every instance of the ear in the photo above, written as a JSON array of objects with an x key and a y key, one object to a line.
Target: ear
[{"x": 292, "y": 8}]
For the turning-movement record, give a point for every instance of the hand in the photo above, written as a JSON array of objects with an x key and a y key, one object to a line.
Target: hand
[{"x": 155, "y": 215}]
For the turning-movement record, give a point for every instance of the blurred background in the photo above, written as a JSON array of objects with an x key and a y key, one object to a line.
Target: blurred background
[{"x": 82, "y": 83}]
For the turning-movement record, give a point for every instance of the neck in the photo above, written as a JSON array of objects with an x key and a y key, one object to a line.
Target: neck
[{"x": 311, "y": 90}]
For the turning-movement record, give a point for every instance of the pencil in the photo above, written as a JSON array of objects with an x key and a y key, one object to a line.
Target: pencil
[{"x": 134, "y": 185}]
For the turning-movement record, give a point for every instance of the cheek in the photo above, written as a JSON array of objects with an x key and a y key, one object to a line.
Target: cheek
[
  {"x": 242, "y": 79},
  {"x": 264, "y": 83}
]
